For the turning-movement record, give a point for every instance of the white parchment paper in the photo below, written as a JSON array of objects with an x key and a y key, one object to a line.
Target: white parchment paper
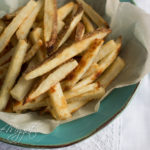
[{"x": 125, "y": 19}]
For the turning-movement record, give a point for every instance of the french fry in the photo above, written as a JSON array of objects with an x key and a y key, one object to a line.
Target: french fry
[
  {"x": 16, "y": 22},
  {"x": 84, "y": 64},
  {"x": 13, "y": 72},
  {"x": 80, "y": 30},
  {"x": 34, "y": 105},
  {"x": 74, "y": 11},
  {"x": 112, "y": 72},
  {"x": 108, "y": 48},
  {"x": 95, "y": 17},
  {"x": 73, "y": 93},
  {"x": 91, "y": 70},
  {"x": 10, "y": 16},
  {"x": 76, "y": 103},
  {"x": 51, "y": 79},
  {"x": 88, "y": 24},
  {"x": 31, "y": 53},
  {"x": 68, "y": 29},
  {"x": 65, "y": 10},
  {"x": 67, "y": 53},
  {"x": 58, "y": 103},
  {"x": 22, "y": 87},
  {"x": 103, "y": 65},
  {"x": 3, "y": 70},
  {"x": 27, "y": 24},
  {"x": 61, "y": 24},
  {"x": 50, "y": 22},
  {"x": 6, "y": 57},
  {"x": 2, "y": 26},
  {"x": 35, "y": 35}
]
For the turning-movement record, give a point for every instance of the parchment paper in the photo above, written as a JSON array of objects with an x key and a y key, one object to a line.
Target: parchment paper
[{"x": 125, "y": 19}]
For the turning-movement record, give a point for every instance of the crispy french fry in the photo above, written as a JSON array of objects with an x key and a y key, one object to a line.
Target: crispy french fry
[
  {"x": 88, "y": 24},
  {"x": 10, "y": 16},
  {"x": 76, "y": 103},
  {"x": 112, "y": 72},
  {"x": 58, "y": 103},
  {"x": 6, "y": 57},
  {"x": 60, "y": 26},
  {"x": 84, "y": 64},
  {"x": 68, "y": 29},
  {"x": 50, "y": 22},
  {"x": 74, "y": 11},
  {"x": 103, "y": 65},
  {"x": 3, "y": 70},
  {"x": 16, "y": 22},
  {"x": 31, "y": 53},
  {"x": 2, "y": 26},
  {"x": 35, "y": 35},
  {"x": 51, "y": 79},
  {"x": 34, "y": 105},
  {"x": 91, "y": 70},
  {"x": 13, "y": 72},
  {"x": 67, "y": 53},
  {"x": 65, "y": 10},
  {"x": 73, "y": 93},
  {"x": 40, "y": 16},
  {"x": 27, "y": 24},
  {"x": 95, "y": 17},
  {"x": 22, "y": 87},
  {"x": 108, "y": 48},
  {"x": 80, "y": 30}
]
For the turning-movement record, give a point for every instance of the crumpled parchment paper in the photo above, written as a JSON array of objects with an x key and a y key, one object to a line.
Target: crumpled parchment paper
[{"x": 125, "y": 19}]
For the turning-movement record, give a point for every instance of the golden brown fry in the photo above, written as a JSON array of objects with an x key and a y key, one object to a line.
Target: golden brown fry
[
  {"x": 51, "y": 79},
  {"x": 25, "y": 27},
  {"x": 22, "y": 87},
  {"x": 76, "y": 103},
  {"x": 88, "y": 24},
  {"x": 73, "y": 93},
  {"x": 16, "y": 22},
  {"x": 13, "y": 72},
  {"x": 112, "y": 72},
  {"x": 65, "y": 10},
  {"x": 108, "y": 48},
  {"x": 67, "y": 53},
  {"x": 34, "y": 105},
  {"x": 31, "y": 53},
  {"x": 68, "y": 29},
  {"x": 35, "y": 35},
  {"x": 6, "y": 57},
  {"x": 60, "y": 26},
  {"x": 3, "y": 70},
  {"x": 103, "y": 65},
  {"x": 91, "y": 70},
  {"x": 50, "y": 22},
  {"x": 84, "y": 64},
  {"x": 80, "y": 30},
  {"x": 95, "y": 17},
  {"x": 58, "y": 103}
]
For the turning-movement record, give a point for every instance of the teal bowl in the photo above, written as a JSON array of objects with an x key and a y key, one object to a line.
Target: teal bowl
[{"x": 75, "y": 131}]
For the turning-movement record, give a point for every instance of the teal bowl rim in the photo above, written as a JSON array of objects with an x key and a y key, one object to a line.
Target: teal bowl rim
[
  {"x": 78, "y": 140},
  {"x": 82, "y": 138}
]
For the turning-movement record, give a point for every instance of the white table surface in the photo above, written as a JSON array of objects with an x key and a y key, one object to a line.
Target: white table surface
[{"x": 129, "y": 131}]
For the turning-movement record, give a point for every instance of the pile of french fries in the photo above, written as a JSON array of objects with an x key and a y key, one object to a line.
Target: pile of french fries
[{"x": 53, "y": 60}]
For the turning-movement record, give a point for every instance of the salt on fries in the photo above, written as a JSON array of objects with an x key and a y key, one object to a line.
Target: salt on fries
[{"x": 55, "y": 61}]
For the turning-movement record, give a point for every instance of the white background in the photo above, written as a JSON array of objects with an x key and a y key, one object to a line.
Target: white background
[{"x": 130, "y": 131}]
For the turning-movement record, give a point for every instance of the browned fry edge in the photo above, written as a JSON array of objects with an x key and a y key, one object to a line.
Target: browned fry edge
[
  {"x": 54, "y": 32},
  {"x": 64, "y": 30}
]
